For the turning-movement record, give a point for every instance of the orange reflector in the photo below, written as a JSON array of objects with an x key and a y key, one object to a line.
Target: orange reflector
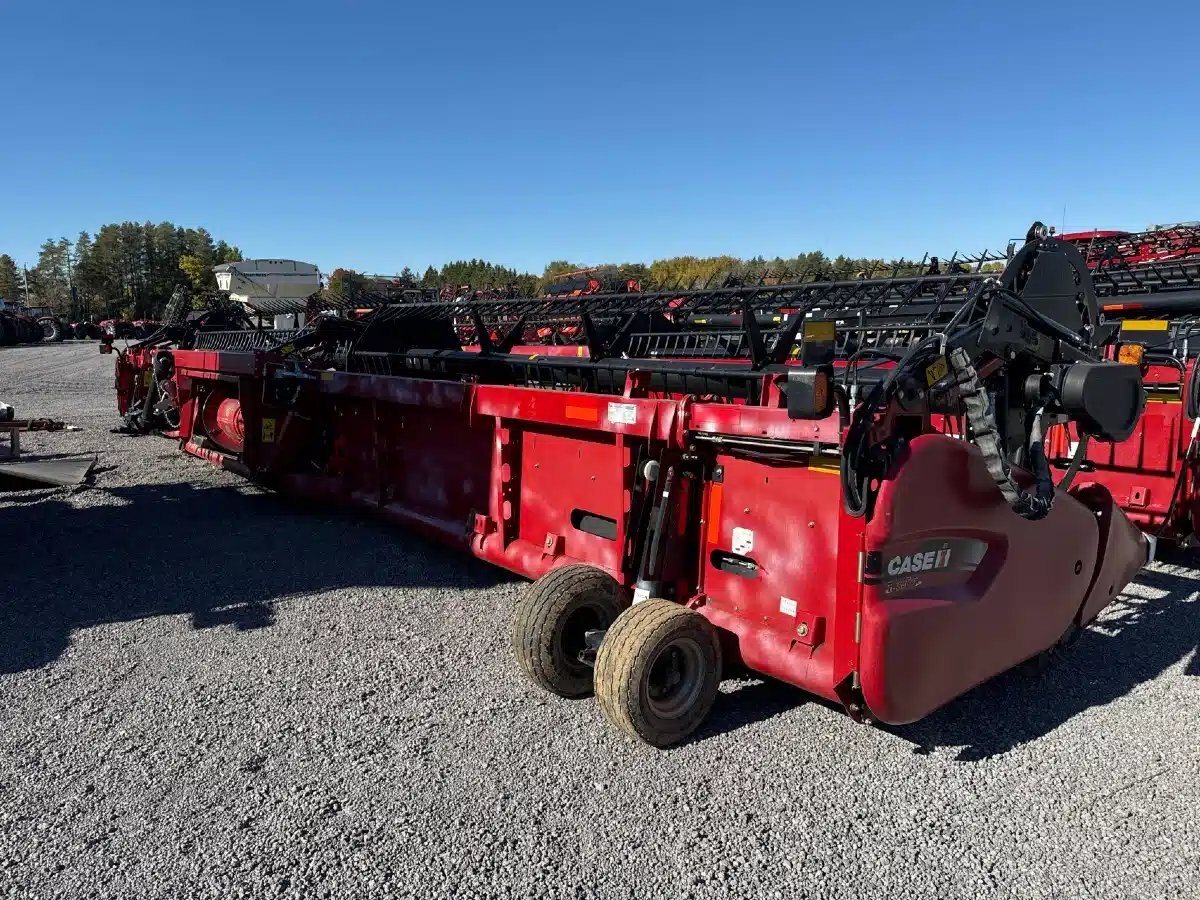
[
  {"x": 714, "y": 513},
  {"x": 1131, "y": 354},
  {"x": 583, "y": 413},
  {"x": 821, "y": 398}
]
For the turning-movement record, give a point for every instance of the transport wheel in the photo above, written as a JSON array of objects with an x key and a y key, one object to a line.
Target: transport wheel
[
  {"x": 657, "y": 671},
  {"x": 552, "y": 617}
]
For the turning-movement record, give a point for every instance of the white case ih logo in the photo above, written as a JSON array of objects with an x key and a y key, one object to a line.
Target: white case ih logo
[{"x": 919, "y": 562}]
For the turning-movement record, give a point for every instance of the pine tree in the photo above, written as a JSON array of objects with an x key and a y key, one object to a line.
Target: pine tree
[{"x": 11, "y": 288}]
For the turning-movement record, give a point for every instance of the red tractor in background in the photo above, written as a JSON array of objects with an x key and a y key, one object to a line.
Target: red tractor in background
[{"x": 17, "y": 326}]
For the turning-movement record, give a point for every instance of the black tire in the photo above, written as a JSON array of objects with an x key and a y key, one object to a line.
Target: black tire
[
  {"x": 551, "y": 617},
  {"x": 8, "y": 331},
  {"x": 658, "y": 671},
  {"x": 52, "y": 329}
]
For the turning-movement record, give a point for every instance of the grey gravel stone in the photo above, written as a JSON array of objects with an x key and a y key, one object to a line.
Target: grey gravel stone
[{"x": 210, "y": 692}]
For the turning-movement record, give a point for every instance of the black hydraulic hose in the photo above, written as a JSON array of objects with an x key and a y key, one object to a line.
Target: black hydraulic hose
[
  {"x": 842, "y": 399},
  {"x": 1076, "y": 461},
  {"x": 1193, "y": 393}
]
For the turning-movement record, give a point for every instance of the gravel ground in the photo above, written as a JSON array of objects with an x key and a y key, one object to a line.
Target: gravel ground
[{"x": 212, "y": 693}]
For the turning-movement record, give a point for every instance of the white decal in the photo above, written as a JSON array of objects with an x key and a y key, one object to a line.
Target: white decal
[
  {"x": 787, "y": 606},
  {"x": 640, "y": 594},
  {"x": 743, "y": 541},
  {"x": 919, "y": 562},
  {"x": 622, "y": 413}
]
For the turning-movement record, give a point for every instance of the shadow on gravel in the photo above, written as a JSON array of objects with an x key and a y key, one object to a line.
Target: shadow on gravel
[
  {"x": 748, "y": 704},
  {"x": 217, "y": 554},
  {"x": 1137, "y": 641}
]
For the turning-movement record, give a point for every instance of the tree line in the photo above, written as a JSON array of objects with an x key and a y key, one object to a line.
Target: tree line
[
  {"x": 129, "y": 270},
  {"x": 126, "y": 270}
]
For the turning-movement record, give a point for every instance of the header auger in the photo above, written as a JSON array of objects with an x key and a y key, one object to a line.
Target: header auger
[{"x": 838, "y": 483}]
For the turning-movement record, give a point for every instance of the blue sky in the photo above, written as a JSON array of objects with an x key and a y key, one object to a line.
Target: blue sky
[{"x": 375, "y": 135}]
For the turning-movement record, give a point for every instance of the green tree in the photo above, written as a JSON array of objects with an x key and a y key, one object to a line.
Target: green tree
[
  {"x": 348, "y": 283},
  {"x": 11, "y": 287},
  {"x": 53, "y": 275},
  {"x": 197, "y": 273}
]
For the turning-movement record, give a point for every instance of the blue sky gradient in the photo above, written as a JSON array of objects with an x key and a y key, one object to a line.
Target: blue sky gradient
[{"x": 376, "y": 135}]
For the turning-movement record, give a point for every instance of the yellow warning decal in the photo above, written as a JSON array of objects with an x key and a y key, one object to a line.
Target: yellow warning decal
[
  {"x": 819, "y": 331},
  {"x": 1144, "y": 325},
  {"x": 826, "y": 468},
  {"x": 1162, "y": 397},
  {"x": 287, "y": 348},
  {"x": 936, "y": 371},
  {"x": 268, "y": 431},
  {"x": 327, "y": 376},
  {"x": 147, "y": 376}
]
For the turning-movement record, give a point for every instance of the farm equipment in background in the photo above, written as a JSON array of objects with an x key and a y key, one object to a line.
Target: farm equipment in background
[
  {"x": 686, "y": 495},
  {"x": 17, "y": 326},
  {"x": 54, "y": 328},
  {"x": 146, "y": 393},
  {"x": 596, "y": 280},
  {"x": 1149, "y": 283}
]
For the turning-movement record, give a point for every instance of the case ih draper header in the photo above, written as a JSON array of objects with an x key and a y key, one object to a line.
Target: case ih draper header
[{"x": 839, "y": 484}]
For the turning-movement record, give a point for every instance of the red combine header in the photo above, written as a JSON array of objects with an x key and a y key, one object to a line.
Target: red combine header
[
  {"x": 1149, "y": 284},
  {"x": 781, "y": 493}
]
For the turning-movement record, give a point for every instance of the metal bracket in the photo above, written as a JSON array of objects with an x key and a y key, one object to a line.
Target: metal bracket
[{"x": 754, "y": 338}]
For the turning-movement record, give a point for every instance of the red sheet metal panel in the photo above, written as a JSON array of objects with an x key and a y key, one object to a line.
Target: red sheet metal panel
[
  {"x": 959, "y": 587},
  {"x": 768, "y": 566}
]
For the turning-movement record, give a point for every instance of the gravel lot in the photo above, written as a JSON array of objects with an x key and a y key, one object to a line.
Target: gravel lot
[{"x": 212, "y": 693}]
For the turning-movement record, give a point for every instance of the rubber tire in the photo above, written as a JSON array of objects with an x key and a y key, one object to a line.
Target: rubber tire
[
  {"x": 543, "y": 610},
  {"x": 8, "y": 331},
  {"x": 52, "y": 329},
  {"x": 627, "y": 654}
]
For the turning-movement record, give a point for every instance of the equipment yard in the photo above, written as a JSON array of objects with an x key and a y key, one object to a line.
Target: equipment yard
[{"x": 210, "y": 690}]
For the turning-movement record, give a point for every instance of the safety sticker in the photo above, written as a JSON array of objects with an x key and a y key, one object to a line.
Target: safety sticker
[
  {"x": 787, "y": 606},
  {"x": 936, "y": 371},
  {"x": 743, "y": 541},
  {"x": 622, "y": 413},
  {"x": 268, "y": 431},
  {"x": 640, "y": 594}
]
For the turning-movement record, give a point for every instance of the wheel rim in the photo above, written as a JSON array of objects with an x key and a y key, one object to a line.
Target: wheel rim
[
  {"x": 675, "y": 679},
  {"x": 572, "y": 639}
]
